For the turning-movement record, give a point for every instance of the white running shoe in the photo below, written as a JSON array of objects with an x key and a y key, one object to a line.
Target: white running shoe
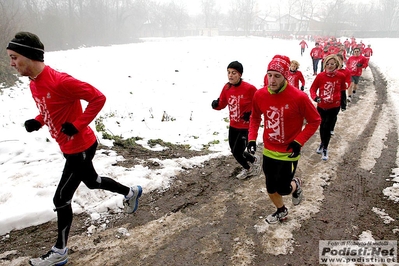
[
  {"x": 277, "y": 217},
  {"x": 349, "y": 99},
  {"x": 255, "y": 166},
  {"x": 319, "y": 149},
  {"x": 131, "y": 204},
  {"x": 324, "y": 157},
  {"x": 52, "y": 258},
  {"x": 297, "y": 195},
  {"x": 243, "y": 174},
  {"x": 254, "y": 169}
]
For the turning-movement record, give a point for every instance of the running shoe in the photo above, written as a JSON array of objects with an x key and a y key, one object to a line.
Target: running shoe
[
  {"x": 51, "y": 258},
  {"x": 324, "y": 157},
  {"x": 131, "y": 204},
  {"x": 349, "y": 99},
  {"x": 320, "y": 148},
  {"x": 277, "y": 217},
  {"x": 297, "y": 195}
]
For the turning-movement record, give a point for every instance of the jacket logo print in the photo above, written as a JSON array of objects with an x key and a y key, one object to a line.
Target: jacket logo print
[
  {"x": 328, "y": 92},
  {"x": 234, "y": 103},
  {"x": 274, "y": 122}
]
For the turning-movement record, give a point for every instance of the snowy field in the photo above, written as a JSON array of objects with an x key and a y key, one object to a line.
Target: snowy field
[{"x": 178, "y": 77}]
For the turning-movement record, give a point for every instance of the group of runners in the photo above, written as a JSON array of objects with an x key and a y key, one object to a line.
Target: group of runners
[
  {"x": 290, "y": 119},
  {"x": 289, "y": 116}
]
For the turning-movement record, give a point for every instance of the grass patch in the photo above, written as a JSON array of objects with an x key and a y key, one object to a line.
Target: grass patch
[{"x": 153, "y": 142}]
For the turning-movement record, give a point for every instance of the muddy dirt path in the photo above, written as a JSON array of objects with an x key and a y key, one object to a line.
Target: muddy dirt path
[{"x": 208, "y": 217}]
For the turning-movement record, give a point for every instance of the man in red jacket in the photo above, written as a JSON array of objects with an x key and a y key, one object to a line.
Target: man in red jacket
[
  {"x": 303, "y": 45},
  {"x": 355, "y": 64},
  {"x": 316, "y": 54},
  {"x": 237, "y": 95},
  {"x": 347, "y": 45},
  {"x": 284, "y": 109},
  {"x": 57, "y": 96},
  {"x": 368, "y": 52}
]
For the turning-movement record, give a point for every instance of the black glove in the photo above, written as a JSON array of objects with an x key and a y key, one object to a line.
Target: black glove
[
  {"x": 69, "y": 129},
  {"x": 215, "y": 103},
  {"x": 317, "y": 99},
  {"x": 246, "y": 116},
  {"x": 296, "y": 149},
  {"x": 251, "y": 147},
  {"x": 302, "y": 88},
  {"x": 359, "y": 65},
  {"x": 32, "y": 125}
]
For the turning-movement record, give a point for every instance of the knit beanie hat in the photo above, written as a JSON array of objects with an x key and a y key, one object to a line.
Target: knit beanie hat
[
  {"x": 28, "y": 45},
  {"x": 280, "y": 63},
  {"x": 237, "y": 66}
]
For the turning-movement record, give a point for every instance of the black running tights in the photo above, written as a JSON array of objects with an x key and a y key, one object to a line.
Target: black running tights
[
  {"x": 328, "y": 120},
  {"x": 238, "y": 140},
  {"x": 78, "y": 168}
]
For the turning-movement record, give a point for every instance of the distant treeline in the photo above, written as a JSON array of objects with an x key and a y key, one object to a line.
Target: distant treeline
[{"x": 68, "y": 24}]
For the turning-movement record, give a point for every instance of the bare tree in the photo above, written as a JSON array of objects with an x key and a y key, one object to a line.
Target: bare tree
[
  {"x": 390, "y": 14},
  {"x": 242, "y": 14},
  {"x": 305, "y": 10},
  {"x": 10, "y": 15},
  {"x": 333, "y": 16},
  {"x": 208, "y": 9},
  {"x": 365, "y": 16},
  {"x": 179, "y": 17}
]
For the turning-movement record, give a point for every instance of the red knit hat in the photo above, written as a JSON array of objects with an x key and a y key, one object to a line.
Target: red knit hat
[{"x": 280, "y": 63}]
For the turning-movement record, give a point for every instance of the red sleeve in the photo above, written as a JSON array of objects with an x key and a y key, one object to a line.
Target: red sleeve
[
  {"x": 364, "y": 62},
  {"x": 39, "y": 118},
  {"x": 256, "y": 115},
  {"x": 301, "y": 78},
  {"x": 347, "y": 77},
  {"x": 81, "y": 90},
  {"x": 313, "y": 120},
  {"x": 222, "y": 98},
  {"x": 343, "y": 81},
  {"x": 314, "y": 87}
]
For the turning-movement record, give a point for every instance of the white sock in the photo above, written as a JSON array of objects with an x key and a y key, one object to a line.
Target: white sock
[
  {"x": 59, "y": 250},
  {"x": 130, "y": 194}
]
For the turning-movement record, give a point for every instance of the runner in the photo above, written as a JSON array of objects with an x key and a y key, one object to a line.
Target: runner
[
  {"x": 328, "y": 90},
  {"x": 237, "y": 95},
  {"x": 368, "y": 52},
  {"x": 58, "y": 97},
  {"x": 347, "y": 74},
  {"x": 283, "y": 108},
  {"x": 316, "y": 54},
  {"x": 347, "y": 45},
  {"x": 355, "y": 64},
  {"x": 296, "y": 76},
  {"x": 303, "y": 44}
]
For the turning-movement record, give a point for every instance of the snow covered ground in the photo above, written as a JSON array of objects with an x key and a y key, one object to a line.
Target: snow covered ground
[{"x": 178, "y": 77}]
